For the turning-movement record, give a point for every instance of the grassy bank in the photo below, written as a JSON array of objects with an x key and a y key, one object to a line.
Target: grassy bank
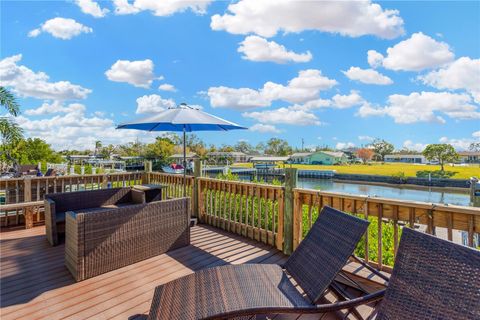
[{"x": 388, "y": 169}]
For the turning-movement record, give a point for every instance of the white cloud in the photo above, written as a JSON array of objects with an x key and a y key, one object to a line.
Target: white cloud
[
  {"x": 374, "y": 58},
  {"x": 240, "y": 99},
  {"x": 138, "y": 73},
  {"x": 424, "y": 107},
  {"x": 284, "y": 116},
  {"x": 268, "y": 17},
  {"x": 153, "y": 103},
  {"x": 365, "y": 138},
  {"x": 256, "y": 48},
  {"x": 61, "y": 28},
  {"x": 167, "y": 87},
  {"x": 264, "y": 128},
  {"x": 92, "y": 8},
  {"x": 306, "y": 86},
  {"x": 476, "y": 134},
  {"x": 368, "y": 76},
  {"x": 347, "y": 101},
  {"x": 459, "y": 144},
  {"x": 161, "y": 8},
  {"x": 410, "y": 145},
  {"x": 54, "y": 107},
  {"x": 73, "y": 129},
  {"x": 463, "y": 74},
  {"x": 344, "y": 145},
  {"x": 28, "y": 83},
  {"x": 417, "y": 53}
]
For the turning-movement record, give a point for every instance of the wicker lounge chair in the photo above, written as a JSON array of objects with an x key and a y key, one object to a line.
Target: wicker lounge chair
[
  {"x": 57, "y": 204},
  {"x": 432, "y": 279},
  {"x": 100, "y": 241},
  {"x": 250, "y": 289}
]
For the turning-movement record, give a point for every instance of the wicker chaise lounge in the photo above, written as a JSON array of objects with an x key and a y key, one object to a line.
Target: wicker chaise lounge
[
  {"x": 100, "y": 241},
  {"x": 249, "y": 289},
  {"x": 432, "y": 279},
  {"x": 57, "y": 204}
]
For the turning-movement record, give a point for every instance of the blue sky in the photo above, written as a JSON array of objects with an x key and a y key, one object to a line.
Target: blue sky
[{"x": 335, "y": 73}]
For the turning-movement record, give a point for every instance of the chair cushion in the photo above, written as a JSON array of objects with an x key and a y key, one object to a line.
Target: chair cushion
[
  {"x": 61, "y": 215},
  {"x": 223, "y": 290}
]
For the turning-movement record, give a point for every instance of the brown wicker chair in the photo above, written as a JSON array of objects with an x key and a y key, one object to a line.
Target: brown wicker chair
[
  {"x": 100, "y": 241},
  {"x": 432, "y": 279},
  {"x": 57, "y": 204},
  {"x": 250, "y": 289}
]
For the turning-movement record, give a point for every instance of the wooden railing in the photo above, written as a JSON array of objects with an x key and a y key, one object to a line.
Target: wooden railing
[
  {"x": 387, "y": 218},
  {"x": 248, "y": 209},
  {"x": 33, "y": 189},
  {"x": 276, "y": 215}
]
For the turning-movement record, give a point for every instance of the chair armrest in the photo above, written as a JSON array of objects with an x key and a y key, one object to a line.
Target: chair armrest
[
  {"x": 138, "y": 196},
  {"x": 51, "y": 222}
]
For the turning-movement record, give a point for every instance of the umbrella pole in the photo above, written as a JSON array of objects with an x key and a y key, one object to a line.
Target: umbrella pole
[{"x": 184, "y": 163}]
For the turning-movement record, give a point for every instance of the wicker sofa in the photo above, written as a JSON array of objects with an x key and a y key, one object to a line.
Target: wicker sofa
[
  {"x": 104, "y": 240},
  {"x": 58, "y": 203}
]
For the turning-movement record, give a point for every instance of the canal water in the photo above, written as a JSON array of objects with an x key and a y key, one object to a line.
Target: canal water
[{"x": 425, "y": 195}]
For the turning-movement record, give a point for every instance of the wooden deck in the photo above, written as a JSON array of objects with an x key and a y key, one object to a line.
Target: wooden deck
[{"x": 35, "y": 284}]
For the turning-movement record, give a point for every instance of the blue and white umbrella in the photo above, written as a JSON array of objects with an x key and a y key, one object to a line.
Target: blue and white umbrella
[{"x": 182, "y": 119}]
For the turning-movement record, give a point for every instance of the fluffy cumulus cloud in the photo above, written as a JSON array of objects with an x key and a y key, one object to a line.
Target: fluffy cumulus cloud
[
  {"x": 476, "y": 134},
  {"x": 69, "y": 127},
  {"x": 306, "y": 86},
  {"x": 264, "y": 128},
  {"x": 416, "y": 146},
  {"x": 255, "y": 48},
  {"x": 28, "y": 83},
  {"x": 417, "y": 53},
  {"x": 374, "y": 58},
  {"x": 268, "y": 17},
  {"x": 366, "y": 138},
  {"x": 284, "y": 116},
  {"x": 61, "y": 28},
  {"x": 344, "y": 145},
  {"x": 153, "y": 103},
  {"x": 167, "y": 87},
  {"x": 462, "y": 74},
  {"x": 160, "y": 8},
  {"x": 346, "y": 101},
  {"x": 92, "y": 8},
  {"x": 459, "y": 144},
  {"x": 368, "y": 76},
  {"x": 424, "y": 107},
  {"x": 138, "y": 73}
]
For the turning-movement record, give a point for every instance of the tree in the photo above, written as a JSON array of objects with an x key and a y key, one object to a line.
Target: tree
[
  {"x": 243, "y": 146},
  {"x": 442, "y": 152},
  {"x": 160, "y": 150},
  {"x": 10, "y": 132},
  {"x": 365, "y": 154},
  {"x": 226, "y": 148},
  {"x": 98, "y": 147},
  {"x": 474, "y": 146},
  {"x": 131, "y": 149},
  {"x": 34, "y": 150},
  {"x": 106, "y": 152},
  {"x": 279, "y": 147},
  {"x": 382, "y": 148}
]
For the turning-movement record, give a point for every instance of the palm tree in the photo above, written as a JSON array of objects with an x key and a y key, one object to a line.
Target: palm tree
[{"x": 10, "y": 131}]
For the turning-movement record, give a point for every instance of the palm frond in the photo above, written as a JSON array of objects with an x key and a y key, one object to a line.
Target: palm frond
[{"x": 7, "y": 99}]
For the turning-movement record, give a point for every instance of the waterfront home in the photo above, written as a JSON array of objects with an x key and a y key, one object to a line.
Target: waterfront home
[
  {"x": 178, "y": 157},
  {"x": 231, "y": 157},
  {"x": 319, "y": 157},
  {"x": 469, "y": 157},
  {"x": 406, "y": 158}
]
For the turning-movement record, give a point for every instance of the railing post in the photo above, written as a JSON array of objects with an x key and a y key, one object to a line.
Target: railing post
[
  {"x": 27, "y": 189},
  {"x": 197, "y": 173},
  {"x": 291, "y": 175},
  {"x": 147, "y": 165}
]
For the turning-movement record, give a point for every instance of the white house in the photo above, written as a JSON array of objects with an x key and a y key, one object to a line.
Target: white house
[{"x": 406, "y": 158}]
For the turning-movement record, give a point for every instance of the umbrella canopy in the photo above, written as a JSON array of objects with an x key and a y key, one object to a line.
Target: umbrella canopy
[{"x": 182, "y": 118}]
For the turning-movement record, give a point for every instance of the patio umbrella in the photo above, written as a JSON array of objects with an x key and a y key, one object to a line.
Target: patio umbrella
[{"x": 184, "y": 119}]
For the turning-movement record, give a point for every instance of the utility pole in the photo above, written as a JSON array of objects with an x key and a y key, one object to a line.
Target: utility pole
[{"x": 303, "y": 142}]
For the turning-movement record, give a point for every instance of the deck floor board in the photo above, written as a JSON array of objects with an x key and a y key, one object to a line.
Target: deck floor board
[{"x": 35, "y": 284}]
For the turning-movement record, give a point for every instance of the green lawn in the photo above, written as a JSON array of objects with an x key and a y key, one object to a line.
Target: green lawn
[{"x": 388, "y": 169}]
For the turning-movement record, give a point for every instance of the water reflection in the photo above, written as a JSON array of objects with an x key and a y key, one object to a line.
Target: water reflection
[{"x": 425, "y": 195}]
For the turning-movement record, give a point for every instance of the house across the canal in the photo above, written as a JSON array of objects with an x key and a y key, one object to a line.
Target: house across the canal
[{"x": 319, "y": 157}]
